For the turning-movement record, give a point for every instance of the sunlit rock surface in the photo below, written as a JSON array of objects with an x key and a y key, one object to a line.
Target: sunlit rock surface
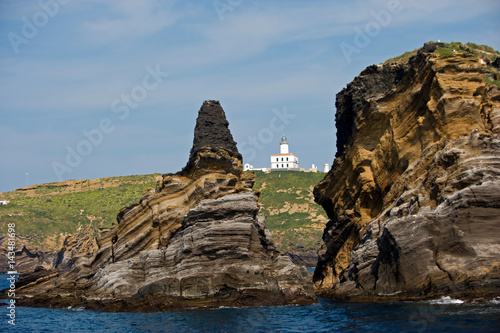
[{"x": 413, "y": 196}]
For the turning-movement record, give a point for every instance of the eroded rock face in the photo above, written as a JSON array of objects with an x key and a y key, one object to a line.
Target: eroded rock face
[
  {"x": 28, "y": 257},
  {"x": 414, "y": 193},
  {"x": 195, "y": 240},
  {"x": 213, "y": 145}
]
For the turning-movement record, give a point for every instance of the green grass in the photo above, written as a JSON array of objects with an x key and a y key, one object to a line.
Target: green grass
[
  {"x": 63, "y": 213},
  {"x": 474, "y": 50},
  {"x": 471, "y": 50},
  {"x": 284, "y": 221},
  {"x": 288, "y": 179},
  {"x": 483, "y": 51},
  {"x": 492, "y": 82},
  {"x": 403, "y": 58},
  {"x": 292, "y": 231},
  {"x": 48, "y": 189},
  {"x": 451, "y": 49},
  {"x": 494, "y": 77},
  {"x": 485, "y": 48},
  {"x": 56, "y": 209},
  {"x": 445, "y": 52}
]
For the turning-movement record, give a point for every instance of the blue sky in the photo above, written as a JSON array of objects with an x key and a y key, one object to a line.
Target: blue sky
[{"x": 91, "y": 88}]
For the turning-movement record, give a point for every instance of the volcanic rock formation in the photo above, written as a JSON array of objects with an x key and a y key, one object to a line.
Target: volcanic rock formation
[
  {"x": 27, "y": 257},
  {"x": 413, "y": 196},
  {"x": 195, "y": 240}
]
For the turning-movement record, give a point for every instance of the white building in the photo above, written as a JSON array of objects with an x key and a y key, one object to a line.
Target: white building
[
  {"x": 284, "y": 160},
  {"x": 249, "y": 167},
  {"x": 4, "y": 202}
]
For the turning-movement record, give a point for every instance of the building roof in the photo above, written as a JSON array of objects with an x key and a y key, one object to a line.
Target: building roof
[{"x": 284, "y": 155}]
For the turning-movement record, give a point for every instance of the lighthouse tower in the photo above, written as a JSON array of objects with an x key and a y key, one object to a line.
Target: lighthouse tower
[
  {"x": 284, "y": 146},
  {"x": 284, "y": 160}
]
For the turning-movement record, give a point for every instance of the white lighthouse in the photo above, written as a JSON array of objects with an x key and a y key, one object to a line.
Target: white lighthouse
[
  {"x": 284, "y": 160},
  {"x": 284, "y": 146}
]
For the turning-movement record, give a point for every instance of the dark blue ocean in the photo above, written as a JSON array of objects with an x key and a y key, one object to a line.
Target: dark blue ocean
[{"x": 443, "y": 315}]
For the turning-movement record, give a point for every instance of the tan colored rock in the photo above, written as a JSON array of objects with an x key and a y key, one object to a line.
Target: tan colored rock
[{"x": 414, "y": 193}]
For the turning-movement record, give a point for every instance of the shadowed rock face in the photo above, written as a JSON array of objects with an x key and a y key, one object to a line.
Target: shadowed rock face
[
  {"x": 27, "y": 257},
  {"x": 212, "y": 130},
  {"x": 194, "y": 241},
  {"x": 414, "y": 193},
  {"x": 213, "y": 145}
]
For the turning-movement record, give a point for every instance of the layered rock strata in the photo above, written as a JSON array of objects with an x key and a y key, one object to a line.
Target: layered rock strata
[
  {"x": 413, "y": 196},
  {"x": 28, "y": 257},
  {"x": 194, "y": 241}
]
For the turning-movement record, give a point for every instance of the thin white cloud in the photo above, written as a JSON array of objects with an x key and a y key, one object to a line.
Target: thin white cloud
[
  {"x": 128, "y": 19},
  {"x": 69, "y": 86}
]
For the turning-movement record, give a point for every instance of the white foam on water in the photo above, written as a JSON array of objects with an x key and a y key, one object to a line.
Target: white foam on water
[
  {"x": 495, "y": 300},
  {"x": 446, "y": 300},
  {"x": 81, "y": 308}
]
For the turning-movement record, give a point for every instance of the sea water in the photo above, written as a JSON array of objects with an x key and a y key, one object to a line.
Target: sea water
[{"x": 441, "y": 315}]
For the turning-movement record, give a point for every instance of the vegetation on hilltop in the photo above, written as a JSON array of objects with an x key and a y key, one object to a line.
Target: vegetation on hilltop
[
  {"x": 476, "y": 52},
  {"x": 50, "y": 211},
  {"x": 403, "y": 58},
  {"x": 61, "y": 208},
  {"x": 293, "y": 217},
  {"x": 471, "y": 50},
  {"x": 448, "y": 49}
]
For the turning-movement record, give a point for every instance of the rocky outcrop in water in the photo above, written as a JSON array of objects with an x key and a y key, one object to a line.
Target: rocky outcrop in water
[
  {"x": 413, "y": 196},
  {"x": 194, "y": 241}
]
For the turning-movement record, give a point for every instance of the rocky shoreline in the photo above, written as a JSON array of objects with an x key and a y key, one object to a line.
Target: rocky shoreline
[{"x": 196, "y": 240}]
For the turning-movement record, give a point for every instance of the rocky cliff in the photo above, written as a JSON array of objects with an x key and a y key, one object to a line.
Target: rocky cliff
[
  {"x": 413, "y": 196},
  {"x": 28, "y": 257},
  {"x": 194, "y": 241}
]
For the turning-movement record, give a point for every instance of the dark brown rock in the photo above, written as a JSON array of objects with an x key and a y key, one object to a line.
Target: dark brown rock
[{"x": 213, "y": 145}]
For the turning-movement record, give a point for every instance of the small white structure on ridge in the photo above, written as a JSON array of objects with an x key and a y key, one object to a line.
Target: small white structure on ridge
[{"x": 249, "y": 167}]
